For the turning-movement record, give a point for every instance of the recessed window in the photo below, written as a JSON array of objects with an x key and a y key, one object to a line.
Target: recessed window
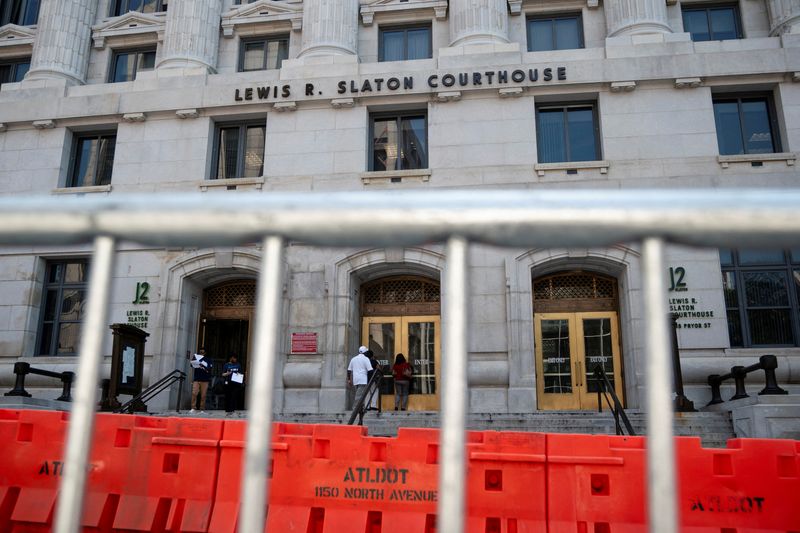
[
  {"x": 19, "y": 12},
  {"x": 762, "y": 296},
  {"x": 92, "y": 159},
  {"x": 558, "y": 32},
  {"x": 712, "y": 23},
  {"x": 567, "y": 133},
  {"x": 14, "y": 71},
  {"x": 63, "y": 307},
  {"x": 239, "y": 150},
  {"x": 126, "y": 64},
  {"x": 399, "y": 141},
  {"x": 120, "y": 7},
  {"x": 745, "y": 125},
  {"x": 404, "y": 43},
  {"x": 263, "y": 54}
]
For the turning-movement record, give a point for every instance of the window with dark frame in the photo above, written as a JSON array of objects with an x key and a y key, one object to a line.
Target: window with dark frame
[
  {"x": 762, "y": 296},
  {"x": 19, "y": 12},
  {"x": 706, "y": 22},
  {"x": 121, "y": 7},
  {"x": 399, "y": 141},
  {"x": 746, "y": 124},
  {"x": 126, "y": 64},
  {"x": 14, "y": 71},
  {"x": 239, "y": 150},
  {"x": 404, "y": 43},
  {"x": 63, "y": 303},
  {"x": 567, "y": 133},
  {"x": 555, "y": 32},
  {"x": 263, "y": 53},
  {"x": 92, "y": 159}
]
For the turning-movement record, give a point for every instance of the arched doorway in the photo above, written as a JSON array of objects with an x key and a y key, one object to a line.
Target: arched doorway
[
  {"x": 401, "y": 314},
  {"x": 576, "y": 328}
]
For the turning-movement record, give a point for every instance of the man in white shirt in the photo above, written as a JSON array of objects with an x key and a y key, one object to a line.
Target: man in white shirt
[{"x": 357, "y": 372}]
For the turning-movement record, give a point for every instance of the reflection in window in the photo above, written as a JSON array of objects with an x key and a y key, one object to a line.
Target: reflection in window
[
  {"x": 120, "y": 7},
  {"x": 239, "y": 151},
  {"x": 399, "y": 142},
  {"x": 556, "y": 357},
  {"x": 421, "y": 355},
  {"x": 93, "y": 159},
  {"x": 712, "y": 23},
  {"x": 563, "y": 32},
  {"x": 14, "y": 71},
  {"x": 567, "y": 133},
  {"x": 19, "y": 12},
  {"x": 745, "y": 125},
  {"x": 597, "y": 350},
  {"x": 263, "y": 54},
  {"x": 125, "y": 65},
  {"x": 382, "y": 343},
  {"x": 403, "y": 44},
  {"x": 63, "y": 307}
]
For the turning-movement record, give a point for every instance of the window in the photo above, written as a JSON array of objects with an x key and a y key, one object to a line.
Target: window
[
  {"x": 62, "y": 307},
  {"x": 92, "y": 159},
  {"x": 557, "y": 32},
  {"x": 567, "y": 133},
  {"x": 712, "y": 23},
  {"x": 120, "y": 7},
  {"x": 126, "y": 64},
  {"x": 239, "y": 150},
  {"x": 14, "y": 71},
  {"x": 263, "y": 54},
  {"x": 19, "y": 12},
  {"x": 762, "y": 296},
  {"x": 399, "y": 141},
  {"x": 745, "y": 125},
  {"x": 402, "y": 44}
]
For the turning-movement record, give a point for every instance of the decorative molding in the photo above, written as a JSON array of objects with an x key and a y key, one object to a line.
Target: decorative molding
[
  {"x": 688, "y": 83},
  {"x": 447, "y": 96},
  {"x": 13, "y": 35},
  {"x": 623, "y": 86},
  {"x": 44, "y": 124},
  {"x": 82, "y": 190},
  {"x": 339, "y": 103},
  {"x": 396, "y": 176},
  {"x": 369, "y": 8},
  {"x": 134, "y": 117},
  {"x": 542, "y": 168},
  {"x": 726, "y": 160},
  {"x": 515, "y": 7},
  {"x": 255, "y": 183},
  {"x": 263, "y": 11},
  {"x": 511, "y": 92},
  {"x": 131, "y": 23},
  {"x": 284, "y": 106},
  {"x": 187, "y": 113}
]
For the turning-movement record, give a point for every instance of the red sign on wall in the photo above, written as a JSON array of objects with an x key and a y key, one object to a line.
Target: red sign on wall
[{"x": 304, "y": 343}]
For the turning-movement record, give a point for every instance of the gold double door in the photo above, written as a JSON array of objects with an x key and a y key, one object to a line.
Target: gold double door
[
  {"x": 417, "y": 338},
  {"x": 568, "y": 348}
]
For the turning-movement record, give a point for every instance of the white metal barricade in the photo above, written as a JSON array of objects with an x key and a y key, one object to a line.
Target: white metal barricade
[{"x": 653, "y": 218}]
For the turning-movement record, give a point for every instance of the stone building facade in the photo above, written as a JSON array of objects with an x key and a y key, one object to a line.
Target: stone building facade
[{"x": 108, "y": 97}]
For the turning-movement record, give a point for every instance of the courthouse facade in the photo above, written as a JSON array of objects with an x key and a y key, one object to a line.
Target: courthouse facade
[{"x": 205, "y": 97}]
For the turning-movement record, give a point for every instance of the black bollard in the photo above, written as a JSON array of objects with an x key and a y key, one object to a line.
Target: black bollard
[
  {"x": 714, "y": 382},
  {"x": 739, "y": 373},
  {"x": 66, "y": 392},
  {"x": 769, "y": 363},
  {"x": 21, "y": 370}
]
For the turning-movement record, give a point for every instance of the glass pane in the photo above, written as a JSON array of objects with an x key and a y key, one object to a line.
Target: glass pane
[
  {"x": 382, "y": 343},
  {"x": 735, "y": 328},
  {"x": 86, "y": 163},
  {"x": 254, "y": 152},
  {"x": 72, "y": 305},
  {"x": 393, "y": 49},
  {"x": 421, "y": 355},
  {"x": 796, "y": 278},
  {"x": 124, "y": 68},
  {"x": 253, "y": 56},
  {"x": 147, "y": 61},
  {"x": 696, "y": 23},
  {"x": 795, "y": 253},
  {"x": 723, "y": 23},
  {"x": 6, "y": 73},
  {"x": 761, "y": 257},
  {"x": 414, "y": 150},
  {"x": 56, "y": 272},
  {"x": 419, "y": 44},
  {"x": 757, "y": 131},
  {"x": 228, "y": 152},
  {"x": 50, "y": 305},
  {"x": 149, "y": 6},
  {"x": 582, "y": 145},
  {"x": 31, "y": 15},
  {"x": 105, "y": 160},
  {"x": 277, "y": 51},
  {"x": 46, "y": 340},
  {"x": 729, "y": 290},
  {"x": 68, "y": 338},
  {"x": 550, "y": 136},
  {"x": 384, "y": 144},
  {"x": 725, "y": 256},
  {"x": 567, "y": 34},
  {"x": 729, "y": 129},
  {"x": 770, "y": 326},
  {"x": 540, "y": 35},
  {"x": 135, "y": 5},
  {"x": 556, "y": 360},
  {"x": 766, "y": 289},
  {"x": 74, "y": 272},
  {"x": 20, "y": 71},
  {"x": 597, "y": 350}
]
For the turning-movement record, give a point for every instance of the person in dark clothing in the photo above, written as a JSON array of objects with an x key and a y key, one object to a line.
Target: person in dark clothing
[
  {"x": 373, "y": 404},
  {"x": 232, "y": 388},
  {"x": 201, "y": 378}
]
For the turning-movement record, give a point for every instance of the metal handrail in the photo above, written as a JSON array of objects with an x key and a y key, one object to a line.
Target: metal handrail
[
  {"x": 360, "y": 407},
  {"x": 154, "y": 390},
  {"x": 606, "y": 389},
  {"x": 767, "y": 363}
]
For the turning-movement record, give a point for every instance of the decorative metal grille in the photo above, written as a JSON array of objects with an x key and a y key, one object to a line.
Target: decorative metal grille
[
  {"x": 401, "y": 291},
  {"x": 575, "y": 286},
  {"x": 236, "y": 294}
]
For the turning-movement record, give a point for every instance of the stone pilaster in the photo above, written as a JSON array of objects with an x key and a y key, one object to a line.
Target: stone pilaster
[
  {"x": 635, "y": 17},
  {"x": 478, "y": 22},
  {"x": 784, "y": 16},
  {"x": 61, "y": 49},
  {"x": 191, "y": 38},
  {"x": 330, "y": 27}
]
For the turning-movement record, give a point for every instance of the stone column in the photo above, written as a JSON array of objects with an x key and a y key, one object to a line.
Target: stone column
[
  {"x": 191, "y": 38},
  {"x": 478, "y": 22},
  {"x": 330, "y": 27},
  {"x": 784, "y": 16},
  {"x": 63, "y": 40},
  {"x": 635, "y": 17}
]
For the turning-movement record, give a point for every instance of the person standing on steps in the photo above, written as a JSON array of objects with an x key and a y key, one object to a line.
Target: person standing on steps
[
  {"x": 402, "y": 372},
  {"x": 375, "y": 366},
  {"x": 200, "y": 379},
  {"x": 357, "y": 373},
  {"x": 232, "y": 385}
]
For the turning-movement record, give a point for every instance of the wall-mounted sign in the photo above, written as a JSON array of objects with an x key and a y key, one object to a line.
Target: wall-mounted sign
[
  {"x": 676, "y": 283},
  {"x": 139, "y": 318},
  {"x": 687, "y": 308},
  {"x": 304, "y": 343},
  {"x": 142, "y": 293}
]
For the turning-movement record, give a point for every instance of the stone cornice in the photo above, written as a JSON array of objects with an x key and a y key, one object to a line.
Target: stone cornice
[
  {"x": 368, "y": 9},
  {"x": 13, "y": 35},
  {"x": 131, "y": 23},
  {"x": 261, "y": 12}
]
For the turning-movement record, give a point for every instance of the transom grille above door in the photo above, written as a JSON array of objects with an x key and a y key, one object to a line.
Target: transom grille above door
[
  {"x": 574, "y": 292},
  {"x": 400, "y": 295}
]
